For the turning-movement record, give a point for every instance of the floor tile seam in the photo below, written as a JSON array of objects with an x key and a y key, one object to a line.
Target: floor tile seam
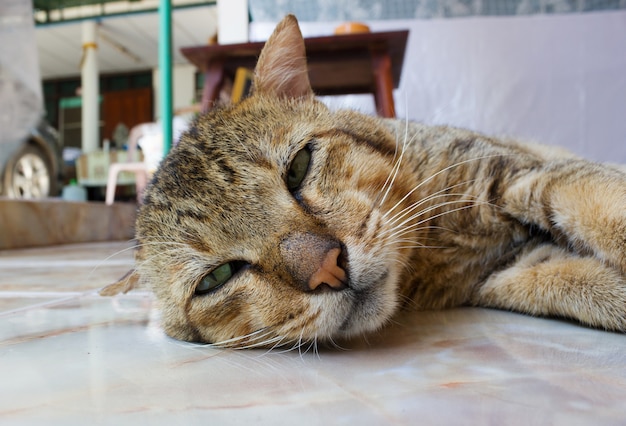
[
  {"x": 57, "y": 298},
  {"x": 39, "y": 305},
  {"x": 11, "y": 294}
]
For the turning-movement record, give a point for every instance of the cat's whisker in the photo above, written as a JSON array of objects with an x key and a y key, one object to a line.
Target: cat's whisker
[
  {"x": 409, "y": 302},
  {"x": 124, "y": 250},
  {"x": 416, "y": 236},
  {"x": 135, "y": 246},
  {"x": 472, "y": 200},
  {"x": 411, "y": 209},
  {"x": 397, "y": 162},
  {"x": 426, "y": 228},
  {"x": 421, "y": 246},
  {"x": 255, "y": 335},
  {"x": 366, "y": 339},
  {"x": 316, "y": 351},
  {"x": 178, "y": 253},
  {"x": 142, "y": 262},
  {"x": 441, "y": 193},
  {"x": 403, "y": 264},
  {"x": 395, "y": 169},
  {"x": 106, "y": 259},
  {"x": 434, "y": 175},
  {"x": 175, "y": 247},
  {"x": 335, "y": 344},
  {"x": 153, "y": 241},
  {"x": 407, "y": 243},
  {"x": 301, "y": 343},
  {"x": 312, "y": 346},
  {"x": 378, "y": 200},
  {"x": 401, "y": 228},
  {"x": 279, "y": 345},
  {"x": 297, "y": 344},
  {"x": 409, "y": 229},
  {"x": 283, "y": 343},
  {"x": 396, "y": 241},
  {"x": 272, "y": 342},
  {"x": 173, "y": 253}
]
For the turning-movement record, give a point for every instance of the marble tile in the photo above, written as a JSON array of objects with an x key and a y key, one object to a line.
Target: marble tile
[
  {"x": 75, "y": 267},
  {"x": 68, "y": 356}
]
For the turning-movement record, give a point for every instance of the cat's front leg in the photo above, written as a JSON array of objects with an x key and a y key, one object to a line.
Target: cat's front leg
[
  {"x": 551, "y": 281},
  {"x": 581, "y": 202}
]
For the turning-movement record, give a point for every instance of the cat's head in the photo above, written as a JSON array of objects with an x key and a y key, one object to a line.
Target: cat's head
[{"x": 266, "y": 224}]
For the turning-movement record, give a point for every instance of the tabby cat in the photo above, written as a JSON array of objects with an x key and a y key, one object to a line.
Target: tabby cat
[{"x": 277, "y": 221}]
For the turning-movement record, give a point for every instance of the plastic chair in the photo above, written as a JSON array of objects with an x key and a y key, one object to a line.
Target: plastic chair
[
  {"x": 149, "y": 137},
  {"x": 142, "y": 169},
  {"x": 141, "y": 179}
]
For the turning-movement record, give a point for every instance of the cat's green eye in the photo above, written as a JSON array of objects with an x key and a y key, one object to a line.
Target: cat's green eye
[
  {"x": 298, "y": 169},
  {"x": 218, "y": 277}
]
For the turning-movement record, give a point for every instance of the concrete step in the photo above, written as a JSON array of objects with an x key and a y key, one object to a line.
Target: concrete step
[{"x": 25, "y": 223}]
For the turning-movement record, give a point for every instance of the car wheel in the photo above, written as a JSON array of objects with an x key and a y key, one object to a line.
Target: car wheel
[{"x": 28, "y": 174}]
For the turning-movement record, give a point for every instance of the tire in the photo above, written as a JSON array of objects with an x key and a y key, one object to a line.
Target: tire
[{"x": 28, "y": 174}]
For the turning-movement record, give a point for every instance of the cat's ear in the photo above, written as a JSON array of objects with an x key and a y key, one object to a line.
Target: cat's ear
[
  {"x": 123, "y": 285},
  {"x": 282, "y": 69}
]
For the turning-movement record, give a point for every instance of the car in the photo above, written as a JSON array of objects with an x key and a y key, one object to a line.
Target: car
[{"x": 36, "y": 169}]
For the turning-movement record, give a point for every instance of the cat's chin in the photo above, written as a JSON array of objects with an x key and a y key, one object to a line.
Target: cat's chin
[{"x": 373, "y": 303}]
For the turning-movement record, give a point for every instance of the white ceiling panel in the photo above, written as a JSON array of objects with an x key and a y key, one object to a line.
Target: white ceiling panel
[{"x": 126, "y": 43}]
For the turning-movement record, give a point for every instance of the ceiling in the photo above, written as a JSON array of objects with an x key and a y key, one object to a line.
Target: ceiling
[{"x": 125, "y": 43}]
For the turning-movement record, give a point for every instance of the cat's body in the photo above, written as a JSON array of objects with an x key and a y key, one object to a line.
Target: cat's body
[{"x": 277, "y": 221}]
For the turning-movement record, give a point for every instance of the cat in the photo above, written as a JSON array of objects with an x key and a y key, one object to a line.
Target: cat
[{"x": 276, "y": 221}]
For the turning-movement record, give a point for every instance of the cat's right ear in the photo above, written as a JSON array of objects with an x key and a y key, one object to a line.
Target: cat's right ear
[
  {"x": 282, "y": 69},
  {"x": 123, "y": 285}
]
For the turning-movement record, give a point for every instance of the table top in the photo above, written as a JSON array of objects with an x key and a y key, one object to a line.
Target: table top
[{"x": 347, "y": 58}]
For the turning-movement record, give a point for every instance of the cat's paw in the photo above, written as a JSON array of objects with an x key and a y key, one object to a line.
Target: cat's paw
[
  {"x": 607, "y": 303},
  {"x": 550, "y": 281},
  {"x": 591, "y": 212},
  {"x": 610, "y": 235}
]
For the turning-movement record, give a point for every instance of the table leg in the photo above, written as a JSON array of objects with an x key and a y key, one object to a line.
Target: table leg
[
  {"x": 213, "y": 80},
  {"x": 383, "y": 95}
]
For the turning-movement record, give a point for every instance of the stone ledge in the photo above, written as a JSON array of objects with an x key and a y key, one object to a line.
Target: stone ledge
[{"x": 54, "y": 221}]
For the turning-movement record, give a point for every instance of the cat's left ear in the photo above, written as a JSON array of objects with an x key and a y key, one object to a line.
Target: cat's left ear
[{"x": 282, "y": 70}]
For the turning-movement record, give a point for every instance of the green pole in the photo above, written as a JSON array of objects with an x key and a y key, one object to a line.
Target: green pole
[{"x": 165, "y": 72}]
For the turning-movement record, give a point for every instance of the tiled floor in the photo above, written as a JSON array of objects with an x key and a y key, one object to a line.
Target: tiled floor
[{"x": 68, "y": 356}]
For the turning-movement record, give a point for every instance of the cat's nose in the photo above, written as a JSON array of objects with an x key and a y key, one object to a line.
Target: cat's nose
[
  {"x": 313, "y": 261},
  {"x": 329, "y": 272}
]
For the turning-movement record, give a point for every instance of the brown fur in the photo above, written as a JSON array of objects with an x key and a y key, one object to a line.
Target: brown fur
[{"x": 427, "y": 217}]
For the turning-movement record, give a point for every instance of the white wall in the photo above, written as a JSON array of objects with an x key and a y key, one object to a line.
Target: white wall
[{"x": 557, "y": 79}]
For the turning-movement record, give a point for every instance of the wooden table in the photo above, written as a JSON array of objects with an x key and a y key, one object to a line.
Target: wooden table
[{"x": 338, "y": 64}]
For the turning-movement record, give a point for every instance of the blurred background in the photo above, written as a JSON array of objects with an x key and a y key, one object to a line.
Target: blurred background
[{"x": 551, "y": 71}]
